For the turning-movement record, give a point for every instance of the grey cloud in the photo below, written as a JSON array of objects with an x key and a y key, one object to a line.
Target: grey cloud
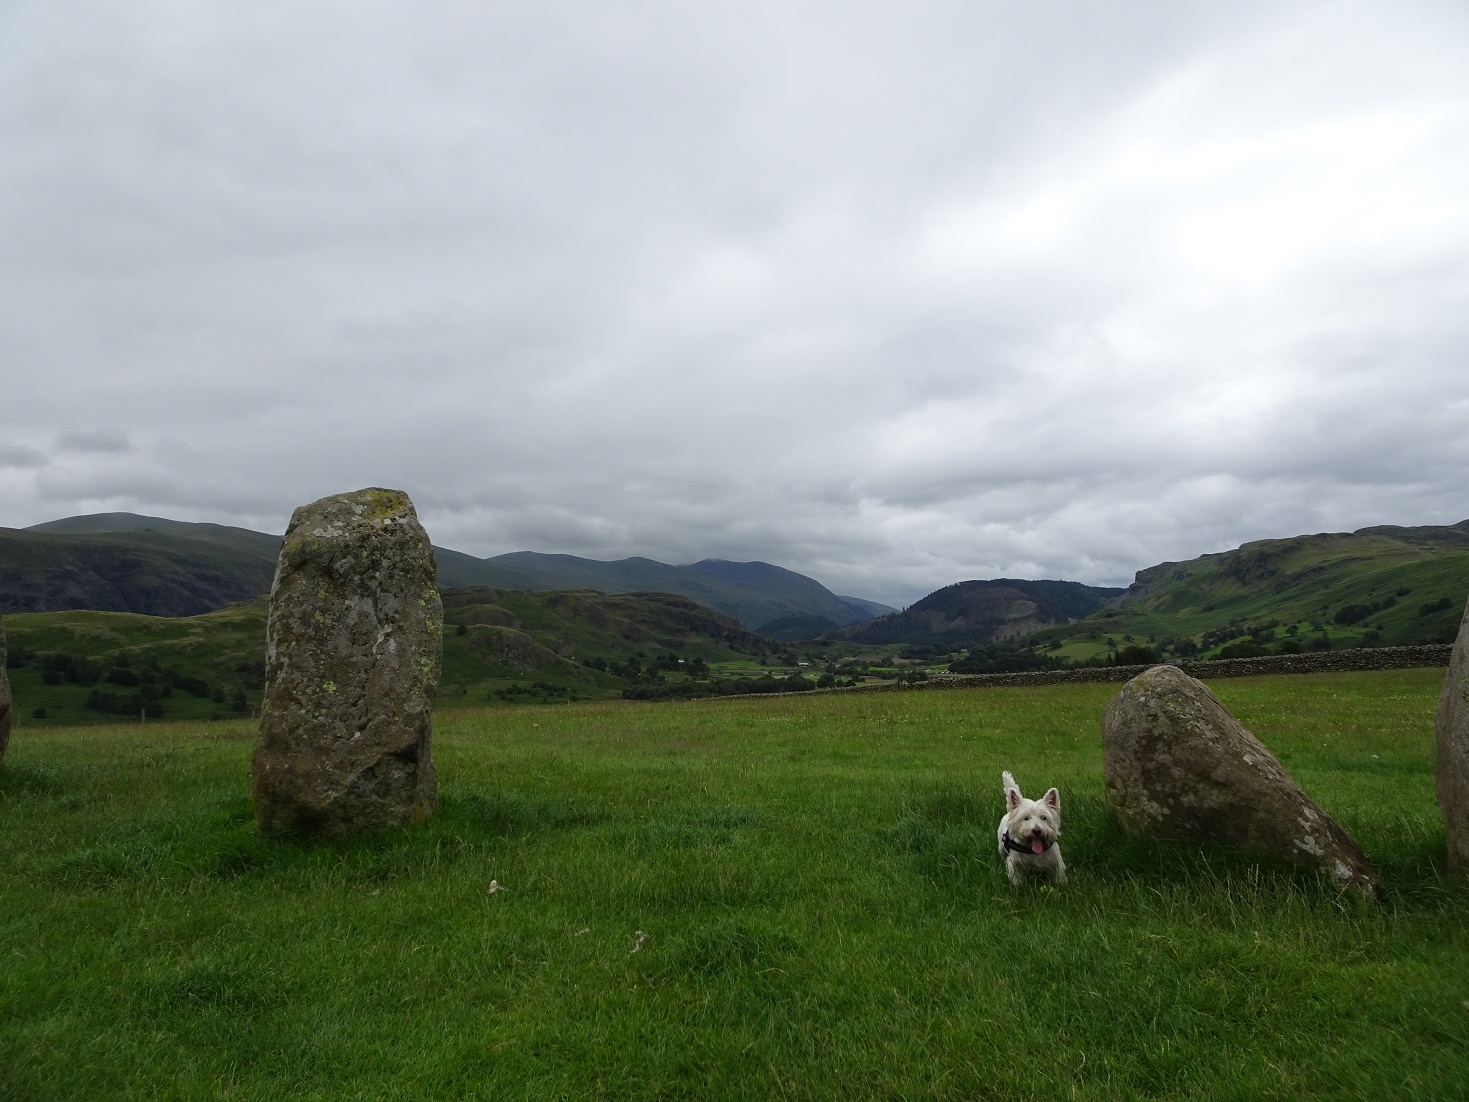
[
  {"x": 891, "y": 294},
  {"x": 103, "y": 441},
  {"x": 19, "y": 457}
]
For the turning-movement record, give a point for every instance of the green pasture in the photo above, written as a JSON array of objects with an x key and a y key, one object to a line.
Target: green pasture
[{"x": 791, "y": 897}]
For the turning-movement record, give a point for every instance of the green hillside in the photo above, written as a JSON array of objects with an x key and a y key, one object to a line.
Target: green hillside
[
  {"x": 754, "y": 593},
  {"x": 122, "y": 562},
  {"x": 1380, "y": 586},
  {"x": 983, "y": 612},
  {"x": 181, "y": 667},
  {"x": 795, "y": 594},
  {"x": 793, "y": 628},
  {"x": 499, "y": 646},
  {"x": 867, "y": 609},
  {"x": 161, "y": 573}
]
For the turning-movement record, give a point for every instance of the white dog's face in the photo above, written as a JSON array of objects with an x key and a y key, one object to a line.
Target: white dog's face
[{"x": 1035, "y": 824}]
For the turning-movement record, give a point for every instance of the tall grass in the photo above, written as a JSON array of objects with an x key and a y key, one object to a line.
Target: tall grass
[{"x": 776, "y": 898}]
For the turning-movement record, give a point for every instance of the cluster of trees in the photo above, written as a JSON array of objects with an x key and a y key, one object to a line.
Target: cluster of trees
[
  {"x": 1226, "y": 632},
  {"x": 58, "y": 668},
  {"x": 537, "y": 691},
  {"x": 1250, "y": 647},
  {"x": 640, "y": 668},
  {"x": 123, "y": 704},
  {"x": 926, "y": 653},
  {"x": 833, "y": 677},
  {"x": 734, "y": 686},
  {"x": 1355, "y": 613},
  {"x": 140, "y": 689},
  {"x": 877, "y": 667},
  {"x": 1005, "y": 658}
]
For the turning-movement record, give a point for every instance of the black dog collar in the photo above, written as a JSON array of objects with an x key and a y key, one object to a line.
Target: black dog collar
[{"x": 1012, "y": 844}]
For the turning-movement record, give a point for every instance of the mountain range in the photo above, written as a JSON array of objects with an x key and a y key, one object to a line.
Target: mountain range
[
  {"x": 1383, "y": 584},
  {"x": 122, "y": 562}
]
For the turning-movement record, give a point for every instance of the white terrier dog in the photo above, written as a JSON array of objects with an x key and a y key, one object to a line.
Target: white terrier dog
[{"x": 1028, "y": 834}]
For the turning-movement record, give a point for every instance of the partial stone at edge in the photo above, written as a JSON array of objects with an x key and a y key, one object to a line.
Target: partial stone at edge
[
  {"x": 5, "y": 701},
  {"x": 1177, "y": 765},
  {"x": 1451, "y": 732},
  {"x": 354, "y": 642}
]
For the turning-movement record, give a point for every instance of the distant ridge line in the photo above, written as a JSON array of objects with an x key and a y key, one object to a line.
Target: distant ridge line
[{"x": 127, "y": 562}]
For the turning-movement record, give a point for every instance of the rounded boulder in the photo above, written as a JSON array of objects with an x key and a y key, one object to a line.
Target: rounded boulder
[{"x": 1176, "y": 764}]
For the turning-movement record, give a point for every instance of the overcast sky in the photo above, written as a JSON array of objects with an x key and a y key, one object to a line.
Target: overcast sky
[{"x": 892, "y": 294}]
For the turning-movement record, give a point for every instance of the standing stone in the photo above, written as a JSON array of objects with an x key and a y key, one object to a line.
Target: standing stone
[
  {"x": 5, "y": 702},
  {"x": 353, "y": 645},
  {"x": 1176, "y": 764},
  {"x": 1451, "y": 729}
]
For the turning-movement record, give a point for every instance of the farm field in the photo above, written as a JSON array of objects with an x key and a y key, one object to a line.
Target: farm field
[{"x": 791, "y": 897}]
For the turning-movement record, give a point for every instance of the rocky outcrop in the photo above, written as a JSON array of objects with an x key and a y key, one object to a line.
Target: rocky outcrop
[
  {"x": 518, "y": 651},
  {"x": 1451, "y": 731},
  {"x": 507, "y": 647},
  {"x": 1177, "y": 765},
  {"x": 353, "y": 647},
  {"x": 5, "y": 699}
]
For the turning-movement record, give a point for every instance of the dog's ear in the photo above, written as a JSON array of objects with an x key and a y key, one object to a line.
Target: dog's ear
[
  {"x": 1052, "y": 799},
  {"x": 1012, "y": 798}
]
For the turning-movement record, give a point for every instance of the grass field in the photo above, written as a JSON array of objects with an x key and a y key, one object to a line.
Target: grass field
[{"x": 792, "y": 897}]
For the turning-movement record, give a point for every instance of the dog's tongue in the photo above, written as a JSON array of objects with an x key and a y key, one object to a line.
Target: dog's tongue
[{"x": 1036, "y": 847}]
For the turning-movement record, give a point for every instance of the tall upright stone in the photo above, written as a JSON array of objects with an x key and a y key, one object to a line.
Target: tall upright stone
[
  {"x": 353, "y": 646},
  {"x": 1451, "y": 731},
  {"x": 1176, "y": 764},
  {"x": 5, "y": 701}
]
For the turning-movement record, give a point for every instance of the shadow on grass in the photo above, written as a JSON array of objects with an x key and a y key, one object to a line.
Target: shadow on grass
[
  {"x": 220, "y": 842},
  {"x": 22, "y": 782}
]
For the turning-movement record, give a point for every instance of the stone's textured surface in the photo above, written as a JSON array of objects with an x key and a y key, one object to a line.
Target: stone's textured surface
[
  {"x": 1451, "y": 729},
  {"x": 353, "y": 646},
  {"x": 1176, "y": 764},
  {"x": 5, "y": 702}
]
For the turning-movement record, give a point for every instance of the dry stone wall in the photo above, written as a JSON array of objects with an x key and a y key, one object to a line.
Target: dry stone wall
[{"x": 1335, "y": 661}]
